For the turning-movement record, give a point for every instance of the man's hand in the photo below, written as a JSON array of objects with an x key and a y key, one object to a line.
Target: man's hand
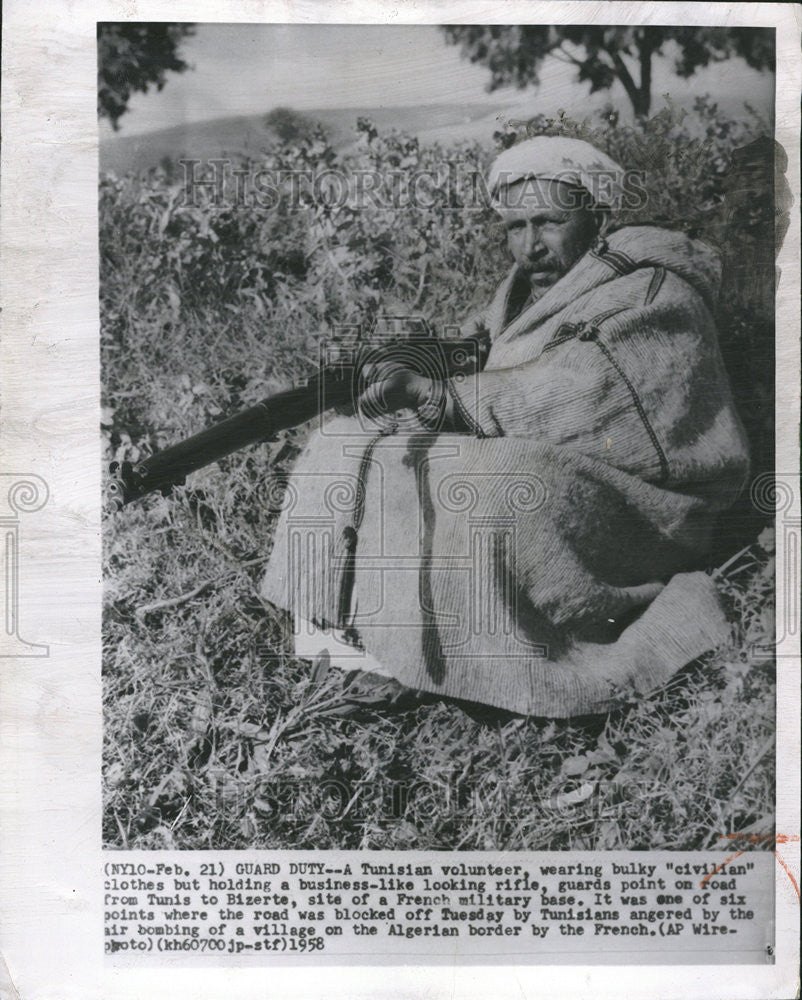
[{"x": 389, "y": 386}]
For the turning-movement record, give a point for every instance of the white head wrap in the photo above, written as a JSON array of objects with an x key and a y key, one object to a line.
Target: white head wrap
[{"x": 558, "y": 158}]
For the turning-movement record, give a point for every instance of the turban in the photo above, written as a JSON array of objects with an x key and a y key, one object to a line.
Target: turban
[{"x": 557, "y": 158}]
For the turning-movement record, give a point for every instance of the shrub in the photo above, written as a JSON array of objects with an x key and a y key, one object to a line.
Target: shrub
[{"x": 237, "y": 285}]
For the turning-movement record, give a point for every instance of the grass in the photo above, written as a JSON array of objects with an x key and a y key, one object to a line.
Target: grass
[{"x": 216, "y": 737}]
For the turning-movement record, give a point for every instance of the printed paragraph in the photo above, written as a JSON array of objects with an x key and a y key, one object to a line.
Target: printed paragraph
[{"x": 539, "y": 906}]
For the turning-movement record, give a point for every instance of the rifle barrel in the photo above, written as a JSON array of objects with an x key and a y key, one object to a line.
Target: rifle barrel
[
  {"x": 171, "y": 466},
  {"x": 334, "y": 385}
]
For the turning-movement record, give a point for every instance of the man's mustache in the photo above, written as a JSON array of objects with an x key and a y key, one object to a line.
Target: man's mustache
[{"x": 544, "y": 263}]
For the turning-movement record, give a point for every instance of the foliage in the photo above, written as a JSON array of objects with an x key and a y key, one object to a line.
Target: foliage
[
  {"x": 514, "y": 53},
  {"x": 130, "y": 57},
  {"x": 215, "y": 735},
  {"x": 289, "y": 125}
]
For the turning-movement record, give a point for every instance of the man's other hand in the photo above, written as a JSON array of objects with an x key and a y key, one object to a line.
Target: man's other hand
[{"x": 388, "y": 387}]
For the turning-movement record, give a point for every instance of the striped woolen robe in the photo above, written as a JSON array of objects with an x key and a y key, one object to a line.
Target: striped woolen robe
[{"x": 547, "y": 562}]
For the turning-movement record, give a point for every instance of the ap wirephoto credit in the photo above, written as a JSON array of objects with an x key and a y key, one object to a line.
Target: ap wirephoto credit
[{"x": 441, "y": 494}]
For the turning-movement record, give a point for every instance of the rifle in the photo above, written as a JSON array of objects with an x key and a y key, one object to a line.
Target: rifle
[{"x": 334, "y": 385}]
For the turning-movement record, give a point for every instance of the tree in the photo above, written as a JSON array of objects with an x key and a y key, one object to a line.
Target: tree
[
  {"x": 602, "y": 55},
  {"x": 130, "y": 57},
  {"x": 289, "y": 125}
]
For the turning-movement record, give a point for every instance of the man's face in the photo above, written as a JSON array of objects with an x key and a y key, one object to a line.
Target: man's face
[{"x": 547, "y": 230}]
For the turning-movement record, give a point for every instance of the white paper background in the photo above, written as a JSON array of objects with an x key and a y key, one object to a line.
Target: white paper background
[{"x": 51, "y": 933}]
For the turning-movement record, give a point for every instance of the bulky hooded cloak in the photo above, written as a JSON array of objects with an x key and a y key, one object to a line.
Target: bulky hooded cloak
[{"x": 548, "y": 562}]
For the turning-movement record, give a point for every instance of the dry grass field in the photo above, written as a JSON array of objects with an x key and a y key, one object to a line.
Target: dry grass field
[{"x": 215, "y": 736}]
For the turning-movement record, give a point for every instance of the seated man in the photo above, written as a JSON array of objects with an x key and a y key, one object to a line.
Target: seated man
[{"x": 530, "y": 536}]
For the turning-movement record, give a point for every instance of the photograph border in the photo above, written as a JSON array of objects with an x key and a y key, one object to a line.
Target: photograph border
[{"x": 51, "y": 726}]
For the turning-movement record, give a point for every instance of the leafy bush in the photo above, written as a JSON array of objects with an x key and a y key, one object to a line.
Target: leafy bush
[
  {"x": 239, "y": 283},
  {"x": 210, "y": 302}
]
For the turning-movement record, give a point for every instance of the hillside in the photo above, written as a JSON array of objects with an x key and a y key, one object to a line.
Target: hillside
[
  {"x": 431, "y": 123},
  {"x": 248, "y": 134}
]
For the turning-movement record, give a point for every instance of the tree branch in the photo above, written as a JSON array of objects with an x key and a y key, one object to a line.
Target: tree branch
[
  {"x": 625, "y": 77},
  {"x": 568, "y": 57},
  {"x": 175, "y": 602},
  {"x": 647, "y": 47}
]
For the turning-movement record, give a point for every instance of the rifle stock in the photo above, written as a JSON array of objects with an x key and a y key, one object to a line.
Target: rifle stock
[{"x": 332, "y": 386}]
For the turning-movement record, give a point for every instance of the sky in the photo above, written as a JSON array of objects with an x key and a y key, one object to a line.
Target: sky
[{"x": 241, "y": 69}]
